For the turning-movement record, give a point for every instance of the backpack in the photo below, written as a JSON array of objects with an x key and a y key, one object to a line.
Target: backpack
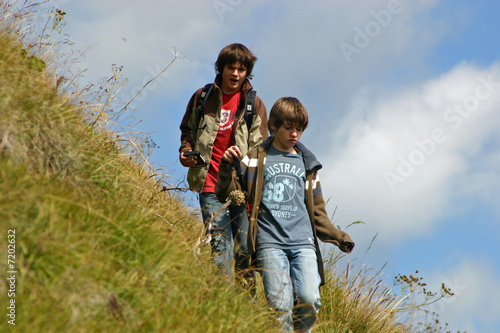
[{"x": 248, "y": 116}]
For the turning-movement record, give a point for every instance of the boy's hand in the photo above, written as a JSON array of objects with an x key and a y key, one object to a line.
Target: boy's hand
[
  {"x": 231, "y": 153},
  {"x": 346, "y": 246},
  {"x": 187, "y": 161}
]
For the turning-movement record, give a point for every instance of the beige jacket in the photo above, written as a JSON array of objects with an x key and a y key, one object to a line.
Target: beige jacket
[{"x": 198, "y": 133}]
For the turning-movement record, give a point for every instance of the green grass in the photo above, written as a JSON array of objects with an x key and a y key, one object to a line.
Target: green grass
[{"x": 99, "y": 247}]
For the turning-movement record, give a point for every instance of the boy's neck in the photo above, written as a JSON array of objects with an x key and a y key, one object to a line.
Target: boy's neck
[{"x": 284, "y": 149}]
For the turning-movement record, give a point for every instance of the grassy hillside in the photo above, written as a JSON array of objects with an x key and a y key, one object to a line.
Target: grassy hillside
[{"x": 96, "y": 246}]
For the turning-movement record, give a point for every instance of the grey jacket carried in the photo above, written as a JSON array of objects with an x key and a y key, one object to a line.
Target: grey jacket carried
[{"x": 248, "y": 176}]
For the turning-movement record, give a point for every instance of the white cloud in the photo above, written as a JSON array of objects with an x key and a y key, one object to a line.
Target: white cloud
[
  {"x": 400, "y": 159},
  {"x": 298, "y": 44},
  {"x": 138, "y": 36},
  {"x": 475, "y": 284},
  {"x": 307, "y": 40}
]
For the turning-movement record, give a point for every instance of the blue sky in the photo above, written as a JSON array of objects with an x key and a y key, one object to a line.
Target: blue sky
[{"x": 404, "y": 101}]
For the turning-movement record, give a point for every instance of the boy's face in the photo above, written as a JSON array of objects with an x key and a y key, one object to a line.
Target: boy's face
[
  {"x": 233, "y": 77},
  {"x": 286, "y": 137}
]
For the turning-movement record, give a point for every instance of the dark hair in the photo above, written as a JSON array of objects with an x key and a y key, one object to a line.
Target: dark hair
[
  {"x": 287, "y": 110},
  {"x": 235, "y": 53}
]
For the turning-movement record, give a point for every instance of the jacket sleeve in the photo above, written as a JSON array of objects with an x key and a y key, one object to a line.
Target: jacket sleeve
[
  {"x": 262, "y": 113},
  {"x": 188, "y": 127},
  {"x": 325, "y": 230},
  {"x": 227, "y": 181},
  {"x": 258, "y": 131}
]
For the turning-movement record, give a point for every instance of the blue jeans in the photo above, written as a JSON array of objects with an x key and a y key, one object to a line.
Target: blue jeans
[
  {"x": 291, "y": 282},
  {"x": 229, "y": 232}
]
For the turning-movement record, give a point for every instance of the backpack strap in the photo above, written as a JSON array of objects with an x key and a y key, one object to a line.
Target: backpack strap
[
  {"x": 207, "y": 89},
  {"x": 249, "y": 107}
]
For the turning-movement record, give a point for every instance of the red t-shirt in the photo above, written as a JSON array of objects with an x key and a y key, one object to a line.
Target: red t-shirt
[{"x": 224, "y": 137}]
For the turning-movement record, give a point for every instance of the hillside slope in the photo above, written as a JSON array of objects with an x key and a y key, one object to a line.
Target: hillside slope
[{"x": 96, "y": 246}]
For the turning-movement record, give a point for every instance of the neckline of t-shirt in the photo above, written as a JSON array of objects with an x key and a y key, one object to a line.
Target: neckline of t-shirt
[
  {"x": 285, "y": 153},
  {"x": 230, "y": 95}
]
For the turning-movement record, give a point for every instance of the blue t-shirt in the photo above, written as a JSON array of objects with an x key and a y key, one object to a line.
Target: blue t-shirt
[{"x": 283, "y": 219}]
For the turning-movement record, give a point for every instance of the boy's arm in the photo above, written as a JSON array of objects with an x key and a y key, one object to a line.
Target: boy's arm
[
  {"x": 325, "y": 230},
  {"x": 187, "y": 127},
  {"x": 258, "y": 131}
]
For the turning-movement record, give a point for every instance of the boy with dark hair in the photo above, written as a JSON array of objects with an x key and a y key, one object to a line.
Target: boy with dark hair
[
  {"x": 216, "y": 119},
  {"x": 287, "y": 214}
]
